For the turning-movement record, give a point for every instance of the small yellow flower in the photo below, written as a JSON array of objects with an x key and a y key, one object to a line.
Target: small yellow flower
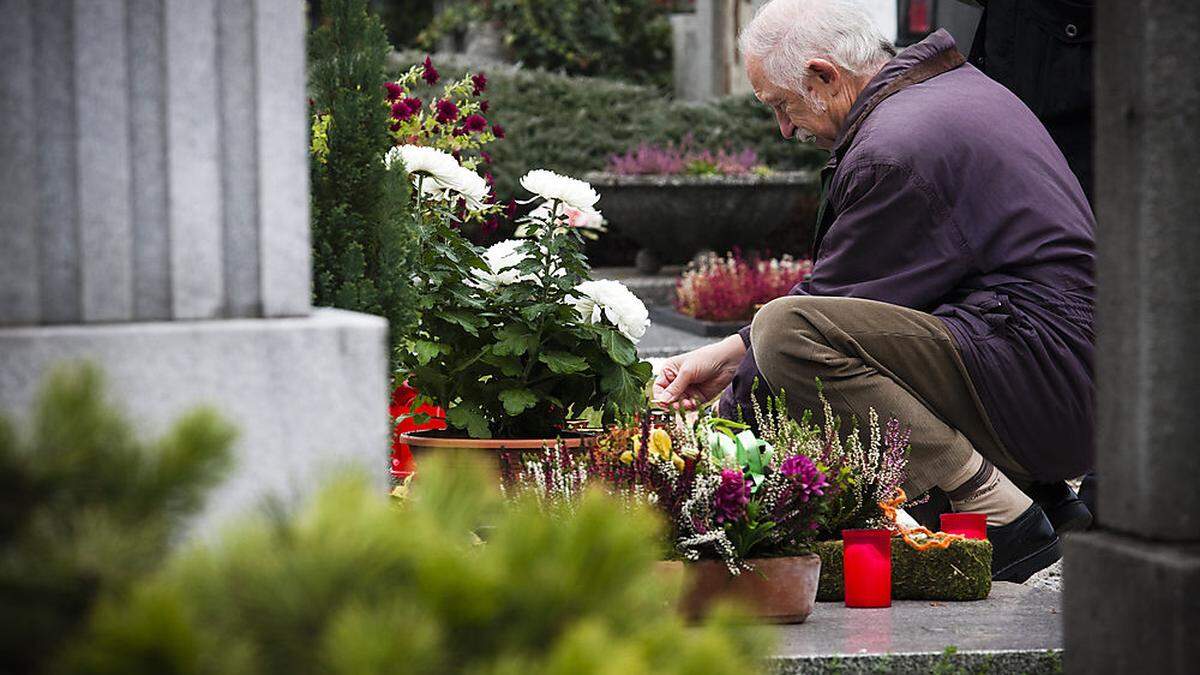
[
  {"x": 626, "y": 457},
  {"x": 660, "y": 444},
  {"x": 677, "y": 461}
]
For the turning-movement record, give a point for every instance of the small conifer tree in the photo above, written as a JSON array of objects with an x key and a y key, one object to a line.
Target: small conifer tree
[{"x": 364, "y": 235}]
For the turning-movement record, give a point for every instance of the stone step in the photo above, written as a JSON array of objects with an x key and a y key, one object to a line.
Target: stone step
[
  {"x": 1016, "y": 629},
  {"x": 657, "y": 289}
]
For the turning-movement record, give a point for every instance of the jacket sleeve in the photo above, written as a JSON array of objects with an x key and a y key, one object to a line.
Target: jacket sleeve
[{"x": 893, "y": 240}]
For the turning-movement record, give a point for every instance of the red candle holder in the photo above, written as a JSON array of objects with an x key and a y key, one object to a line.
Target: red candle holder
[
  {"x": 969, "y": 525},
  {"x": 867, "y": 567}
]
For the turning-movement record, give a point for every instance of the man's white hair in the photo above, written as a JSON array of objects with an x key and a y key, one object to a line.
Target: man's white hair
[{"x": 786, "y": 34}]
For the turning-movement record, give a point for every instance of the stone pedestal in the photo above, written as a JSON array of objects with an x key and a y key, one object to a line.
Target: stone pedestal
[
  {"x": 154, "y": 220},
  {"x": 1132, "y": 598},
  {"x": 307, "y": 394}
]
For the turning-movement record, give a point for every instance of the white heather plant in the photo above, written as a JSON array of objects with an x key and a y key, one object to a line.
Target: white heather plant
[{"x": 515, "y": 340}]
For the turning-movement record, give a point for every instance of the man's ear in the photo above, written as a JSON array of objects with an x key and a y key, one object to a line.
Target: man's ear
[{"x": 820, "y": 69}]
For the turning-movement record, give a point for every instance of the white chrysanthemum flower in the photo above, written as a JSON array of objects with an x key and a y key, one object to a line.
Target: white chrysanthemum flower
[
  {"x": 591, "y": 222},
  {"x": 502, "y": 259},
  {"x": 605, "y": 298},
  {"x": 551, "y": 186},
  {"x": 444, "y": 178}
]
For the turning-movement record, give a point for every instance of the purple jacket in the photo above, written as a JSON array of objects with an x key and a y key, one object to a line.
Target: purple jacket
[{"x": 952, "y": 199}]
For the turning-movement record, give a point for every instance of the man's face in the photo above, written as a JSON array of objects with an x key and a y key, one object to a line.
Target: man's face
[{"x": 796, "y": 117}]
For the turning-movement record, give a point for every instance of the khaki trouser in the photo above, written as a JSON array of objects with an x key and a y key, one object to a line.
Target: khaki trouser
[{"x": 871, "y": 354}]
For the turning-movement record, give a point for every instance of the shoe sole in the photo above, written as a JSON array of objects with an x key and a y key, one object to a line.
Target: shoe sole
[
  {"x": 1078, "y": 519},
  {"x": 1019, "y": 571},
  {"x": 1077, "y": 523}
]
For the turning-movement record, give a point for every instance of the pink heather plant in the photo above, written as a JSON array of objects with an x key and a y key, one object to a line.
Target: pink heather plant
[
  {"x": 731, "y": 288},
  {"x": 685, "y": 158}
]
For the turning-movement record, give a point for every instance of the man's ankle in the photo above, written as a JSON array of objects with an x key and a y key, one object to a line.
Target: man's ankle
[{"x": 987, "y": 490}]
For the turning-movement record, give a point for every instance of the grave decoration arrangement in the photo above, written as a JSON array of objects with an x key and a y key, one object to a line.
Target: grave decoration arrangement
[
  {"x": 745, "y": 510},
  {"x": 515, "y": 340},
  {"x": 757, "y": 515}
]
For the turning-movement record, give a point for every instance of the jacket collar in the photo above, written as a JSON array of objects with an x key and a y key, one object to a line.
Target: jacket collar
[{"x": 928, "y": 58}]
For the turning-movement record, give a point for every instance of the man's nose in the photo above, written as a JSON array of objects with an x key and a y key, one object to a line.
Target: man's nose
[{"x": 785, "y": 125}]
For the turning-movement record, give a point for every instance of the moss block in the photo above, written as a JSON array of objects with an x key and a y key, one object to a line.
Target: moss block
[{"x": 961, "y": 572}]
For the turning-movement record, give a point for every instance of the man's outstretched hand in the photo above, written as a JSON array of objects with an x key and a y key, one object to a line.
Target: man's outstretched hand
[{"x": 696, "y": 377}]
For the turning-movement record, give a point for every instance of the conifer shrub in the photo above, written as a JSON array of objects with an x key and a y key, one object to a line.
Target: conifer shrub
[
  {"x": 87, "y": 509},
  {"x": 363, "y": 234},
  {"x": 357, "y": 585}
]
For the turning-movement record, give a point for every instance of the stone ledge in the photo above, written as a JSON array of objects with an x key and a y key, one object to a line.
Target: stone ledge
[
  {"x": 988, "y": 661},
  {"x": 1016, "y": 629},
  {"x": 308, "y": 394}
]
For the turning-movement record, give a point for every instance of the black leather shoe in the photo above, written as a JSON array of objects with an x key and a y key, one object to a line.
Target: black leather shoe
[
  {"x": 1087, "y": 492},
  {"x": 1065, "y": 510},
  {"x": 1023, "y": 547}
]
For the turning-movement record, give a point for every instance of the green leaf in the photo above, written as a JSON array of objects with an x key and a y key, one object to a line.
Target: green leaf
[
  {"x": 513, "y": 340},
  {"x": 563, "y": 363},
  {"x": 517, "y": 401},
  {"x": 469, "y": 418},
  {"x": 469, "y": 322},
  {"x": 622, "y": 388},
  {"x": 509, "y": 366},
  {"x": 618, "y": 347},
  {"x": 427, "y": 351}
]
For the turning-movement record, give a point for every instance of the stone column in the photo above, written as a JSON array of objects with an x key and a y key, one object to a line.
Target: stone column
[
  {"x": 1133, "y": 586},
  {"x": 154, "y": 219}
]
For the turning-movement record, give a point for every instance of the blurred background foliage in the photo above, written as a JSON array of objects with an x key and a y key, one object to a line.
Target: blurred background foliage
[
  {"x": 87, "y": 510},
  {"x": 96, "y": 575}
]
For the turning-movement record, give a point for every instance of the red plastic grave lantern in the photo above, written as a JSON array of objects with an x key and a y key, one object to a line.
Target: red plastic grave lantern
[
  {"x": 867, "y": 566},
  {"x": 969, "y": 525}
]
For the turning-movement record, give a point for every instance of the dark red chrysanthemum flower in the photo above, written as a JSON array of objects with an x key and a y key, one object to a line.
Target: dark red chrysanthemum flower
[
  {"x": 483, "y": 106},
  {"x": 412, "y": 103},
  {"x": 395, "y": 126},
  {"x": 497, "y": 131},
  {"x": 474, "y": 123},
  {"x": 394, "y": 91},
  {"x": 490, "y": 226},
  {"x": 430, "y": 74},
  {"x": 480, "y": 82},
  {"x": 510, "y": 209},
  {"x": 447, "y": 112},
  {"x": 458, "y": 131},
  {"x": 485, "y": 156},
  {"x": 400, "y": 111},
  {"x": 489, "y": 179}
]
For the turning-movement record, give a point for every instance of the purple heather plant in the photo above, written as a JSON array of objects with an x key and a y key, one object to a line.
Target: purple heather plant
[{"x": 684, "y": 158}]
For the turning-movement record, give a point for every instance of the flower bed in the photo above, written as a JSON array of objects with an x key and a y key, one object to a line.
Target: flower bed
[{"x": 731, "y": 289}]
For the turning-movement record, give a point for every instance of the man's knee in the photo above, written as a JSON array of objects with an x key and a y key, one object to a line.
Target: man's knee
[{"x": 781, "y": 335}]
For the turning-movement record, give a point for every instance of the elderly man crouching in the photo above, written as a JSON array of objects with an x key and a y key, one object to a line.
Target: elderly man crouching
[{"x": 952, "y": 284}]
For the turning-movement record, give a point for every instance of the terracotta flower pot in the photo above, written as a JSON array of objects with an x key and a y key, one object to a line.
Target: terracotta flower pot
[
  {"x": 484, "y": 452},
  {"x": 778, "y": 590}
]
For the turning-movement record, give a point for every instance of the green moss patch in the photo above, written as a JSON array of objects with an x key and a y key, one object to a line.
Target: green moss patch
[{"x": 961, "y": 572}]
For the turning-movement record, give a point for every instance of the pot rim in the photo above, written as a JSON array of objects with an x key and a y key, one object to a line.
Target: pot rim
[
  {"x": 752, "y": 561},
  {"x": 418, "y": 439}
]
